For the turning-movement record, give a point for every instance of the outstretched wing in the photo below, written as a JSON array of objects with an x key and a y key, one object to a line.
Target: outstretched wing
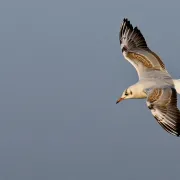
[
  {"x": 163, "y": 105},
  {"x": 136, "y": 51}
]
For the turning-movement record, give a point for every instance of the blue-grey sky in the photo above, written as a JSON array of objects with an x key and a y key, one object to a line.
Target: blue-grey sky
[{"x": 61, "y": 72}]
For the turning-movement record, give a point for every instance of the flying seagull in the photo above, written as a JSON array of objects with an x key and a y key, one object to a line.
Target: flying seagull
[{"x": 155, "y": 83}]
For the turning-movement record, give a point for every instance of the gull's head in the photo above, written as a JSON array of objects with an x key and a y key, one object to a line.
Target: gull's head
[{"x": 127, "y": 94}]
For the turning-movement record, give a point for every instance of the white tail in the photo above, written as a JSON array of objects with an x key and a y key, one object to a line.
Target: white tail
[{"x": 177, "y": 85}]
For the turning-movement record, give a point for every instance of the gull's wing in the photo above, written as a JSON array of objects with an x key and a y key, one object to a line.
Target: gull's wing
[
  {"x": 163, "y": 105},
  {"x": 136, "y": 51}
]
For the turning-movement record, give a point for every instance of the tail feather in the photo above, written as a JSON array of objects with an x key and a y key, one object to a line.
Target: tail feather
[{"x": 177, "y": 85}]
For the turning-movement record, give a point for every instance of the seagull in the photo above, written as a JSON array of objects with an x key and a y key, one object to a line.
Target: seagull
[{"x": 155, "y": 83}]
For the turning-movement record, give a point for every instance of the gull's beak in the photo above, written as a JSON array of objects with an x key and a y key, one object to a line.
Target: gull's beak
[{"x": 119, "y": 100}]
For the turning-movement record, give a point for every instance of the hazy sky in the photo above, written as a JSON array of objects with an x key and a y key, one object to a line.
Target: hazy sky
[{"x": 61, "y": 72}]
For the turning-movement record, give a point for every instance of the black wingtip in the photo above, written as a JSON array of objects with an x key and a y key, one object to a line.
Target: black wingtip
[
  {"x": 125, "y": 19},
  {"x": 125, "y": 23},
  {"x": 132, "y": 35}
]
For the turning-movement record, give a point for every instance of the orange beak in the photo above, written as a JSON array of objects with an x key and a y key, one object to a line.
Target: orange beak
[{"x": 119, "y": 100}]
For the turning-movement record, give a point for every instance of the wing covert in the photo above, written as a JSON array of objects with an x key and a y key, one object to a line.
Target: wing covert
[
  {"x": 136, "y": 50},
  {"x": 163, "y": 105}
]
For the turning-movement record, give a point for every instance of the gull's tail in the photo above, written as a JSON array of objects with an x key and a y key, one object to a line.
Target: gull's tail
[{"x": 177, "y": 85}]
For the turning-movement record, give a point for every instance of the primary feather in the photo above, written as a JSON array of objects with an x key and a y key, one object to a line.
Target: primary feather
[{"x": 136, "y": 51}]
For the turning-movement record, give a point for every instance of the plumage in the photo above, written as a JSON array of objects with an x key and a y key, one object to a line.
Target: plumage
[
  {"x": 155, "y": 83},
  {"x": 136, "y": 50},
  {"x": 163, "y": 103}
]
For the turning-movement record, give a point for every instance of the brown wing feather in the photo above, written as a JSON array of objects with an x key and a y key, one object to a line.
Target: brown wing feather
[
  {"x": 163, "y": 105},
  {"x": 158, "y": 59},
  {"x": 136, "y": 50}
]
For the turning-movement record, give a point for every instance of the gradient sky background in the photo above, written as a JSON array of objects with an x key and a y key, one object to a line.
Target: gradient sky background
[{"x": 61, "y": 72}]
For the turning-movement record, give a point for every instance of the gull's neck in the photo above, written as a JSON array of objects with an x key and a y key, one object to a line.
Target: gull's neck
[{"x": 138, "y": 91}]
